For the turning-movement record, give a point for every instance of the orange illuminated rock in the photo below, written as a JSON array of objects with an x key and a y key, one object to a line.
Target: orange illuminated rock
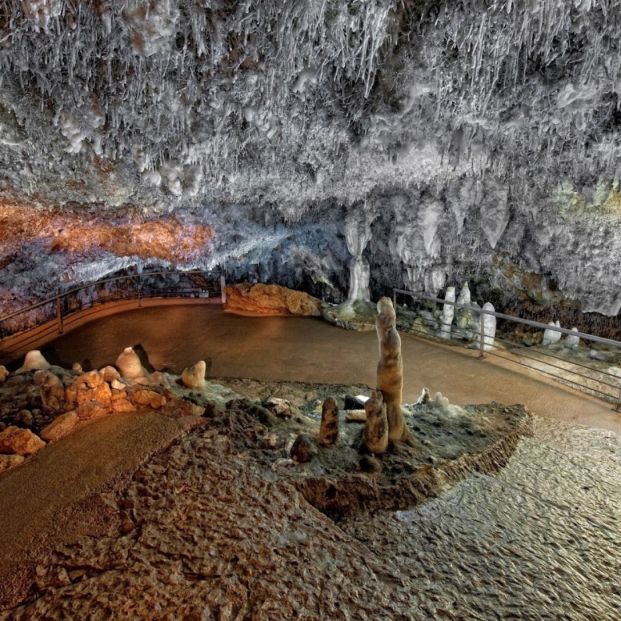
[
  {"x": 270, "y": 300},
  {"x": 3, "y": 373},
  {"x": 60, "y": 427},
  {"x": 10, "y": 461},
  {"x": 147, "y": 398},
  {"x": 16, "y": 441}
]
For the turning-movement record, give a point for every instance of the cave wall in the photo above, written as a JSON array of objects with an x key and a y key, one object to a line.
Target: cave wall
[{"x": 477, "y": 139}]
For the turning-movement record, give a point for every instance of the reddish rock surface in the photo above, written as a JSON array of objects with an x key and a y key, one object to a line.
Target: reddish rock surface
[
  {"x": 16, "y": 441},
  {"x": 270, "y": 300},
  {"x": 60, "y": 427}
]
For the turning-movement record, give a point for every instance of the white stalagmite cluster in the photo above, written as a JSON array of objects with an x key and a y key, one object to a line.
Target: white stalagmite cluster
[
  {"x": 357, "y": 235},
  {"x": 448, "y": 313},
  {"x": 551, "y": 336}
]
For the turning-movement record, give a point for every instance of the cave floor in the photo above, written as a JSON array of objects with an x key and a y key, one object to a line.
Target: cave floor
[
  {"x": 200, "y": 532},
  {"x": 311, "y": 350}
]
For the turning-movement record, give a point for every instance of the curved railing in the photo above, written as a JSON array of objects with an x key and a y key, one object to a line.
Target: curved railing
[
  {"x": 49, "y": 317},
  {"x": 578, "y": 373}
]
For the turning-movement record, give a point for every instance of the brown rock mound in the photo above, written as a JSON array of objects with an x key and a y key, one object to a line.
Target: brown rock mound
[
  {"x": 270, "y": 300},
  {"x": 16, "y": 441}
]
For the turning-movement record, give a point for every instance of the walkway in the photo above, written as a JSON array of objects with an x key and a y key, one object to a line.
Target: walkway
[{"x": 310, "y": 350}]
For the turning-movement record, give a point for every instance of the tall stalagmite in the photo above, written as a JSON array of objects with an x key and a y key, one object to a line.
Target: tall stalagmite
[{"x": 390, "y": 369}]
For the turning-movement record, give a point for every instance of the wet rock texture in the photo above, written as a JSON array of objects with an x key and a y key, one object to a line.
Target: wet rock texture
[
  {"x": 446, "y": 134},
  {"x": 207, "y": 529},
  {"x": 205, "y": 534}
]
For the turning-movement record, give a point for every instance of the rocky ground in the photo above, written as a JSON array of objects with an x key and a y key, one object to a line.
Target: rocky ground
[{"x": 206, "y": 530}]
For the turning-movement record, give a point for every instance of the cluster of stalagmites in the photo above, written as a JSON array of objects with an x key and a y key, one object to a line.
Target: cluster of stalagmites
[
  {"x": 383, "y": 414},
  {"x": 56, "y": 400}
]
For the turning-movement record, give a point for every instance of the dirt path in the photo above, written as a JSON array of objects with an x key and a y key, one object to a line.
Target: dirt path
[
  {"x": 71, "y": 476},
  {"x": 310, "y": 350}
]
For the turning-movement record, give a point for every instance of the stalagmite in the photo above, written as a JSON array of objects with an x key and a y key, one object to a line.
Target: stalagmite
[
  {"x": 390, "y": 369},
  {"x": 550, "y": 337},
  {"x": 489, "y": 327},
  {"x": 572, "y": 341},
  {"x": 448, "y": 313},
  {"x": 194, "y": 376},
  {"x": 329, "y": 430},
  {"x": 357, "y": 236},
  {"x": 34, "y": 361},
  {"x": 424, "y": 397},
  {"x": 129, "y": 364},
  {"x": 464, "y": 295},
  {"x": 376, "y": 429},
  {"x": 4, "y": 373}
]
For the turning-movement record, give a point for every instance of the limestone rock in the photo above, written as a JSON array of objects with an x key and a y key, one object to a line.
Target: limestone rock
[
  {"x": 448, "y": 313},
  {"x": 33, "y": 361},
  {"x": 24, "y": 418},
  {"x": 10, "y": 461},
  {"x": 376, "y": 429},
  {"x": 52, "y": 391},
  {"x": 551, "y": 337},
  {"x": 489, "y": 328},
  {"x": 194, "y": 376},
  {"x": 129, "y": 364},
  {"x": 4, "y": 373},
  {"x": 60, "y": 427},
  {"x": 143, "y": 397},
  {"x": 303, "y": 449},
  {"x": 572, "y": 341},
  {"x": 14, "y": 440},
  {"x": 76, "y": 367},
  {"x": 329, "y": 429},
  {"x": 424, "y": 397},
  {"x": 91, "y": 395},
  {"x": 110, "y": 374},
  {"x": 356, "y": 416},
  {"x": 390, "y": 370},
  {"x": 263, "y": 299},
  {"x": 278, "y": 407}
]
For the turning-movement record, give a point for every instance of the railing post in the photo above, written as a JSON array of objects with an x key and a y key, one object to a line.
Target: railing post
[
  {"x": 481, "y": 336},
  {"x": 394, "y": 298},
  {"x": 223, "y": 289},
  {"x": 59, "y": 315}
]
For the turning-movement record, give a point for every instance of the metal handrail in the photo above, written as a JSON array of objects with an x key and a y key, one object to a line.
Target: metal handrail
[
  {"x": 528, "y": 322},
  {"x": 140, "y": 293},
  {"x": 69, "y": 292},
  {"x": 485, "y": 346}
]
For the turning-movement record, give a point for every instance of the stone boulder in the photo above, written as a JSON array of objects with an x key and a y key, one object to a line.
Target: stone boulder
[
  {"x": 10, "y": 461},
  {"x": 303, "y": 449},
  {"x": 143, "y": 398},
  {"x": 33, "y": 361},
  {"x": 270, "y": 300},
  {"x": 90, "y": 395},
  {"x": 128, "y": 363},
  {"x": 194, "y": 376},
  {"x": 60, "y": 427},
  {"x": 16, "y": 441}
]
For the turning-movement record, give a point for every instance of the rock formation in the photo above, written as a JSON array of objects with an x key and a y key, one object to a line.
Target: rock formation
[
  {"x": 376, "y": 429},
  {"x": 4, "y": 373},
  {"x": 390, "y": 369},
  {"x": 357, "y": 236},
  {"x": 448, "y": 313},
  {"x": 551, "y": 337},
  {"x": 33, "y": 361},
  {"x": 572, "y": 341},
  {"x": 16, "y": 441},
  {"x": 489, "y": 328},
  {"x": 270, "y": 300},
  {"x": 424, "y": 397},
  {"x": 303, "y": 449},
  {"x": 329, "y": 429},
  {"x": 128, "y": 363},
  {"x": 194, "y": 376}
]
